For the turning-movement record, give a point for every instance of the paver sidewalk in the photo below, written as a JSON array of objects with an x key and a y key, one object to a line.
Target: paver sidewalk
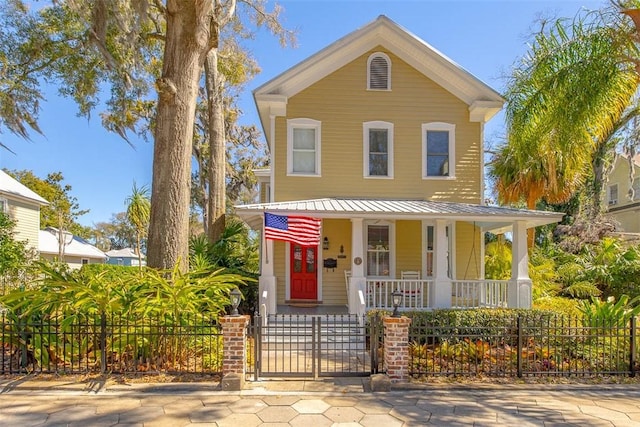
[{"x": 324, "y": 403}]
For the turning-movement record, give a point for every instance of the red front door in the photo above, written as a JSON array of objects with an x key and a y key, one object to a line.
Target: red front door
[{"x": 304, "y": 276}]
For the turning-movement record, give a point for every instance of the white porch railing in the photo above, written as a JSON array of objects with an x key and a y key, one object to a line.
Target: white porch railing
[
  {"x": 479, "y": 293},
  {"x": 415, "y": 293}
]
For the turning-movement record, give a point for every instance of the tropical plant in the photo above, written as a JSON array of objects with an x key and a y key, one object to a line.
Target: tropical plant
[
  {"x": 564, "y": 101},
  {"x": 607, "y": 314},
  {"x": 138, "y": 214}
]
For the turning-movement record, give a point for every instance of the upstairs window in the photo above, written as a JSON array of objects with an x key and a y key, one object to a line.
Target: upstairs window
[
  {"x": 636, "y": 189},
  {"x": 303, "y": 147},
  {"x": 613, "y": 194},
  {"x": 379, "y": 72},
  {"x": 378, "y": 149},
  {"x": 438, "y": 150},
  {"x": 4, "y": 208}
]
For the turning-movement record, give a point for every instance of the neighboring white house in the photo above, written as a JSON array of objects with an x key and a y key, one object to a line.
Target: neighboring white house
[
  {"x": 623, "y": 204},
  {"x": 77, "y": 251},
  {"x": 23, "y": 206},
  {"x": 125, "y": 256}
]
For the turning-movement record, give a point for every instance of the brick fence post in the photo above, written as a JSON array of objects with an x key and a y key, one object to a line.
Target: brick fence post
[
  {"x": 396, "y": 347},
  {"x": 234, "y": 345}
]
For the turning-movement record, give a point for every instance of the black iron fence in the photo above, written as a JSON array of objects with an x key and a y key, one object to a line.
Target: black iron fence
[
  {"x": 522, "y": 345},
  {"x": 115, "y": 344}
]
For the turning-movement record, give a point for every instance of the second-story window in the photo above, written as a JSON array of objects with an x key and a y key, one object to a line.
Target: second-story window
[
  {"x": 303, "y": 147},
  {"x": 378, "y": 149},
  {"x": 613, "y": 194},
  {"x": 438, "y": 150},
  {"x": 379, "y": 72},
  {"x": 3, "y": 205},
  {"x": 636, "y": 189}
]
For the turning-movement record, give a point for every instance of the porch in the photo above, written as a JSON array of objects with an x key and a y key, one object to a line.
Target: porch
[{"x": 372, "y": 243}]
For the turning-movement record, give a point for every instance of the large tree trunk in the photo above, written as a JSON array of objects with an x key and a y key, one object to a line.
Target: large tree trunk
[
  {"x": 217, "y": 149},
  {"x": 186, "y": 47}
]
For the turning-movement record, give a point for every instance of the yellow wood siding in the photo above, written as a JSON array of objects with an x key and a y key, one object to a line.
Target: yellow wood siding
[
  {"x": 27, "y": 219},
  {"x": 334, "y": 291},
  {"x": 408, "y": 246},
  {"x": 342, "y": 104},
  {"x": 467, "y": 251}
]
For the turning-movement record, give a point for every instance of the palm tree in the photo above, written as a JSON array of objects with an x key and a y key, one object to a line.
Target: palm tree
[
  {"x": 565, "y": 98},
  {"x": 138, "y": 214}
]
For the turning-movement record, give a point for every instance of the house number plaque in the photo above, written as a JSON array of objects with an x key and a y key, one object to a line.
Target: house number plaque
[{"x": 357, "y": 260}]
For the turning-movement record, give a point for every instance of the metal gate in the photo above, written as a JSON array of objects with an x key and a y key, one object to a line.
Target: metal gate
[{"x": 313, "y": 346}]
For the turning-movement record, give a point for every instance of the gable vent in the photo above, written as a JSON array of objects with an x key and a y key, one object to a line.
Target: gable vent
[{"x": 378, "y": 73}]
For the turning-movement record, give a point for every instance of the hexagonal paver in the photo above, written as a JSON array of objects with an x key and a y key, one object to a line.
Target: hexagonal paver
[
  {"x": 341, "y": 401},
  {"x": 343, "y": 414},
  {"x": 141, "y": 414},
  {"x": 209, "y": 414},
  {"x": 373, "y": 406},
  {"x": 236, "y": 420},
  {"x": 308, "y": 420},
  {"x": 376, "y": 420},
  {"x": 280, "y": 400},
  {"x": 277, "y": 414},
  {"x": 311, "y": 406},
  {"x": 217, "y": 400},
  {"x": 247, "y": 406}
]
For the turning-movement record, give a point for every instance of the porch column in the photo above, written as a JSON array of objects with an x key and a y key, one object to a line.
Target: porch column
[
  {"x": 441, "y": 294},
  {"x": 358, "y": 280},
  {"x": 267, "y": 281},
  {"x": 520, "y": 287}
]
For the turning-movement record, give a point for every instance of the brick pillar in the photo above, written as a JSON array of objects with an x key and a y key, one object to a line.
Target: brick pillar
[
  {"x": 234, "y": 344},
  {"x": 396, "y": 347}
]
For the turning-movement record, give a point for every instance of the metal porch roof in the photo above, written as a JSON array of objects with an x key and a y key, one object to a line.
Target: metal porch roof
[{"x": 489, "y": 217}]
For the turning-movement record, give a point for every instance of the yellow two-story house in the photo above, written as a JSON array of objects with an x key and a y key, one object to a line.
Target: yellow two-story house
[
  {"x": 381, "y": 137},
  {"x": 623, "y": 195}
]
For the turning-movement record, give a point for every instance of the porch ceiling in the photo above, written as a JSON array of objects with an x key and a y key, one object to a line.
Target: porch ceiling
[{"x": 491, "y": 218}]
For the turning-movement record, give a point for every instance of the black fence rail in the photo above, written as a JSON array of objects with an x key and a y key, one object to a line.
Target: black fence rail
[
  {"x": 114, "y": 344},
  {"x": 523, "y": 345}
]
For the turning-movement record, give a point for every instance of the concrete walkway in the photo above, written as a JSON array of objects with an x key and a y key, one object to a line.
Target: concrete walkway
[{"x": 322, "y": 403}]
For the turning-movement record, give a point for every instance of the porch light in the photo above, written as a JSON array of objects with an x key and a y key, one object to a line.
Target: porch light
[
  {"x": 235, "y": 296},
  {"x": 325, "y": 243},
  {"x": 396, "y": 298}
]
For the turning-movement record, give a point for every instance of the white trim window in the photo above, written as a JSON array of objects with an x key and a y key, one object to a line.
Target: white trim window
[
  {"x": 380, "y": 242},
  {"x": 378, "y": 149},
  {"x": 613, "y": 194},
  {"x": 636, "y": 188},
  {"x": 4, "y": 205},
  {"x": 438, "y": 150},
  {"x": 378, "y": 72},
  {"x": 303, "y": 147}
]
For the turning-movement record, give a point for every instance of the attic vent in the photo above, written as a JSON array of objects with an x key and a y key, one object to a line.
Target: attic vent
[{"x": 379, "y": 72}]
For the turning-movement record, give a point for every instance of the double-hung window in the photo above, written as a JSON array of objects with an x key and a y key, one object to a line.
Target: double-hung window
[
  {"x": 378, "y": 149},
  {"x": 438, "y": 150},
  {"x": 4, "y": 206},
  {"x": 613, "y": 194},
  {"x": 303, "y": 147}
]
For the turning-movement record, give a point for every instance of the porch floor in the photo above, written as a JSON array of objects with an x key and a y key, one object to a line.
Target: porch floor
[{"x": 318, "y": 309}]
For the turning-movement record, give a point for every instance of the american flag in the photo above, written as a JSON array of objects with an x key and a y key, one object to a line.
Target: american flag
[{"x": 302, "y": 230}]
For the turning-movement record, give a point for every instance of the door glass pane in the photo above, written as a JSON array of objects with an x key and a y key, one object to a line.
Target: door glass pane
[
  {"x": 311, "y": 260},
  {"x": 297, "y": 259}
]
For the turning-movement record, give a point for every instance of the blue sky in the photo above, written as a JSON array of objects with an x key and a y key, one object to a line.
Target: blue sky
[{"x": 484, "y": 37}]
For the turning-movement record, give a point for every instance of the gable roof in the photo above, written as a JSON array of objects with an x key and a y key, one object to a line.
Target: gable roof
[
  {"x": 77, "y": 246},
  {"x": 123, "y": 253},
  {"x": 483, "y": 101},
  {"x": 10, "y": 187}
]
